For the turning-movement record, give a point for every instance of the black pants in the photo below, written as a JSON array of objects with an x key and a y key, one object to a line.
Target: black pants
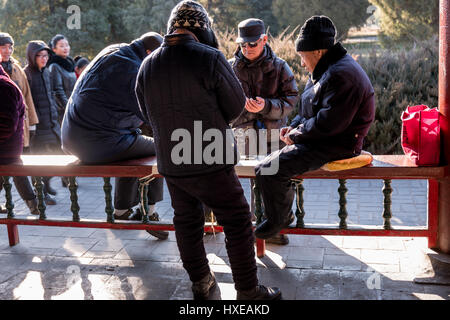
[
  {"x": 23, "y": 187},
  {"x": 126, "y": 191},
  {"x": 276, "y": 188},
  {"x": 46, "y": 149},
  {"x": 223, "y": 193}
]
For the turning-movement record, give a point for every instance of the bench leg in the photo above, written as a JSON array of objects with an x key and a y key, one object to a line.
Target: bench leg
[
  {"x": 433, "y": 214},
  {"x": 13, "y": 234},
  {"x": 260, "y": 248}
]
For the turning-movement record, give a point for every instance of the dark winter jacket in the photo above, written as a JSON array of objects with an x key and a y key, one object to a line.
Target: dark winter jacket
[
  {"x": 63, "y": 80},
  {"x": 48, "y": 131},
  {"x": 338, "y": 104},
  {"x": 189, "y": 86},
  {"x": 103, "y": 116},
  {"x": 268, "y": 77},
  {"x": 12, "y": 113}
]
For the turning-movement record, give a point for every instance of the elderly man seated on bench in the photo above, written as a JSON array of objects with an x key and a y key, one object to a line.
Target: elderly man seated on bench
[{"x": 336, "y": 111}]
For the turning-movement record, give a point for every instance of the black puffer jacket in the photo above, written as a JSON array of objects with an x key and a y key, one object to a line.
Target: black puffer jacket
[
  {"x": 63, "y": 80},
  {"x": 181, "y": 83},
  {"x": 48, "y": 130},
  {"x": 338, "y": 104},
  {"x": 103, "y": 115},
  {"x": 271, "y": 78}
]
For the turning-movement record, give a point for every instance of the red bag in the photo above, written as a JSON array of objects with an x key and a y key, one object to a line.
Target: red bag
[{"x": 421, "y": 135}]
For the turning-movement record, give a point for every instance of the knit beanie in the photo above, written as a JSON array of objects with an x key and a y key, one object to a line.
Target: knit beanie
[
  {"x": 317, "y": 33},
  {"x": 5, "y": 38},
  {"x": 192, "y": 16}
]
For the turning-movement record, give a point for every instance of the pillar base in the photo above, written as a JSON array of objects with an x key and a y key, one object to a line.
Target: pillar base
[{"x": 436, "y": 269}]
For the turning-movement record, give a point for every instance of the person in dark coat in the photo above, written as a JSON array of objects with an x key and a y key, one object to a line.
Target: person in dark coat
[
  {"x": 103, "y": 117},
  {"x": 187, "y": 88},
  {"x": 62, "y": 71},
  {"x": 16, "y": 73},
  {"x": 12, "y": 115},
  {"x": 336, "y": 111},
  {"x": 271, "y": 91},
  {"x": 47, "y": 139}
]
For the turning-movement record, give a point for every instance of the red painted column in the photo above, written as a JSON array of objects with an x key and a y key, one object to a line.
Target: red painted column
[{"x": 444, "y": 108}]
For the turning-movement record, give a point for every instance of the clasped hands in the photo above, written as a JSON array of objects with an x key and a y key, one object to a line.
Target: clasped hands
[{"x": 286, "y": 132}]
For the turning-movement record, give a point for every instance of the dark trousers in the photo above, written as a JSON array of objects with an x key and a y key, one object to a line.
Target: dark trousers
[
  {"x": 276, "y": 189},
  {"x": 23, "y": 187},
  {"x": 126, "y": 191},
  {"x": 223, "y": 193}
]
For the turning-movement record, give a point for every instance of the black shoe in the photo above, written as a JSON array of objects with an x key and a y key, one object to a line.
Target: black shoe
[
  {"x": 33, "y": 206},
  {"x": 124, "y": 216},
  {"x": 202, "y": 288},
  {"x": 3, "y": 210},
  {"x": 49, "y": 200},
  {"x": 160, "y": 234},
  {"x": 280, "y": 239},
  {"x": 268, "y": 229},
  {"x": 136, "y": 216},
  {"x": 260, "y": 293}
]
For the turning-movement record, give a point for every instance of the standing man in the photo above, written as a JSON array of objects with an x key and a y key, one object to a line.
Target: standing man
[
  {"x": 185, "y": 85},
  {"x": 102, "y": 120},
  {"x": 337, "y": 109},
  {"x": 270, "y": 89},
  {"x": 16, "y": 73}
]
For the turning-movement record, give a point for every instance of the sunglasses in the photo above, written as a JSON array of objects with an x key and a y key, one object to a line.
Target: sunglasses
[{"x": 250, "y": 44}]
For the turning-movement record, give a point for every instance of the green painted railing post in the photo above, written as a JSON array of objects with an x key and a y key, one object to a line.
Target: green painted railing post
[
  {"x": 75, "y": 208},
  {"x": 300, "y": 212},
  {"x": 109, "y": 209},
  {"x": 387, "y": 212},
  {"x": 259, "y": 212},
  {"x": 9, "y": 202},
  {"x": 39, "y": 186},
  {"x": 144, "y": 201},
  {"x": 343, "y": 203}
]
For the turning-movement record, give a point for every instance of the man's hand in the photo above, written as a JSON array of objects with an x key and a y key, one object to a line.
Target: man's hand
[
  {"x": 284, "y": 135},
  {"x": 255, "y": 106}
]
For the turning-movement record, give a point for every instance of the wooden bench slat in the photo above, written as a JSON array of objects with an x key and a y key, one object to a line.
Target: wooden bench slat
[{"x": 383, "y": 167}]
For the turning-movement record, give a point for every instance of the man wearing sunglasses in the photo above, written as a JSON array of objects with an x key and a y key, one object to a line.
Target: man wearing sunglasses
[{"x": 269, "y": 86}]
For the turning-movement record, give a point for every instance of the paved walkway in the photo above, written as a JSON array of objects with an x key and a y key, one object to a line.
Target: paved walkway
[{"x": 71, "y": 263}]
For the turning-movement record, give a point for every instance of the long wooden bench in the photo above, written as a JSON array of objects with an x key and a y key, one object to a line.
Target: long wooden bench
[{"x": 383, "y": 167}]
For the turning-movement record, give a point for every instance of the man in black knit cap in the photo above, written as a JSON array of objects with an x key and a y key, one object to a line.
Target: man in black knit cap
[
  {"x": 185, "y": 84},
  {"x": 336, "y": 111}
]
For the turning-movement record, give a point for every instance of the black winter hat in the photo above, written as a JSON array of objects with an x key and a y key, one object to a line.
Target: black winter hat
[
  {"x": 317, "y": 33},
  {"x": 189, "y": 15},
  {"x": 5, "y": 38}
]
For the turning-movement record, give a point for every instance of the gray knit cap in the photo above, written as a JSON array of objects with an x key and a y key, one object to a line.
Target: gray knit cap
[
  {"x": 5, "y": 38},
  {"x": 189, "y": 15}
]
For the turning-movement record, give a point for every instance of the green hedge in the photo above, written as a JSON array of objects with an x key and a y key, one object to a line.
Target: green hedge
[{"x": 404, "y": 77}]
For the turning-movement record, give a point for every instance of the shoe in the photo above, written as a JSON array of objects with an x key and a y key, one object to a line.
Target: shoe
[
  {"x": 49, "y": 200},
  {"x": 202, "y": 288},
  {"x": 124, "y": 216},
  {"x": 160, "y": 234},
  {"x": 33, "y": 206},
  {"x": 3, "y": 210},
  {"x": 136, "y": 216},
  {"x": 260, "y": 293},
  {"x": 280, "y": 239},
  {"x": 268, "y": 229}
]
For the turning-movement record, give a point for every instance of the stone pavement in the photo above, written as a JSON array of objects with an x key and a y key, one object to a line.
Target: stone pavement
[{"x": 72, "y": 263}]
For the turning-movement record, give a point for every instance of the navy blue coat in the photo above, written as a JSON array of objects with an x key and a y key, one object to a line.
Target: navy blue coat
[
  {"x": 338, "y": 104},
  {"x": 103, "y": 115}
]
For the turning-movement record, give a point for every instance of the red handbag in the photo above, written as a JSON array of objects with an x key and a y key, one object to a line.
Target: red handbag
[{"x": 421, "y": 135}]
